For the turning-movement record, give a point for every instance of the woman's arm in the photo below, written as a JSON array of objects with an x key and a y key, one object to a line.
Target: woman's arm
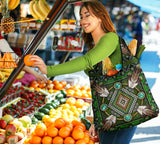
[{"x": 104, "y": 48}]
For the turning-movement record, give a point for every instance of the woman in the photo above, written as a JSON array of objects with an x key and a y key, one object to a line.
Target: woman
[{"x": 103, "y": 42}]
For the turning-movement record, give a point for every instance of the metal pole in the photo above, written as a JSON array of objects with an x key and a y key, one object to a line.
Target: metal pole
[{"x": 52, "y": 17}]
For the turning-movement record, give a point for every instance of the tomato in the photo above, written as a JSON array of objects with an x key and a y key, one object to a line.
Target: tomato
[{"x": 27, "y": 60}]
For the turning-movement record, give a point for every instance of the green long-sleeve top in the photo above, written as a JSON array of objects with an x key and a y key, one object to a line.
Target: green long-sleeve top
[{"x": 108, "y": 46}]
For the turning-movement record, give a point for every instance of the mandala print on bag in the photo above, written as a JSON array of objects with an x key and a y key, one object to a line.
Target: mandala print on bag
[{"x": 124, "y": 99}]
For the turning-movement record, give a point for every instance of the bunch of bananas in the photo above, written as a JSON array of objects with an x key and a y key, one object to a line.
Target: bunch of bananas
[
  {"x": 12, "y": 4},
  {"x": 39, "y": 9},
  {"x": 5, "y": 73}
]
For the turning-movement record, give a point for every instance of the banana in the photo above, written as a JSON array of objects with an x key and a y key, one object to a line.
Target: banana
[
  {"x": 11, "y": 4},
  {"x": 37, "y": 10},
  {"x": 43, "y": 5},
  {"x": 15, "y": 4},
  {"x": 32, "y": 10}
]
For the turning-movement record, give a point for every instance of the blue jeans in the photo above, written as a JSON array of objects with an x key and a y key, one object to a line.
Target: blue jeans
[{"x": 122, "y": 136}]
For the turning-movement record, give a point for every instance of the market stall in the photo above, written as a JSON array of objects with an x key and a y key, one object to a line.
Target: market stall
[
  {"x": 59, "y": 110},
  {"x": 29, "y": 109}
]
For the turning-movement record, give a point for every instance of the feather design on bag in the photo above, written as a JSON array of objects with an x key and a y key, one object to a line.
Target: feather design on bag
[
  {"x": 147, "y": 111},
  {"x": 109, "y": 122},
  {"x": 101, "y": 90},
  {"x": 125, "y": 50},
  {"x": 134, "y": 79}
]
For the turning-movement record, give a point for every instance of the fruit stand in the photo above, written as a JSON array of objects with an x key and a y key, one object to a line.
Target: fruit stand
[{"x": 55, "y": 112}]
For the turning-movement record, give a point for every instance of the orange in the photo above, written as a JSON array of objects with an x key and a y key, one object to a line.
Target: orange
[
  {"x": 58, "y": 86},
  {"x": 70, "y": 92},
  {"x": 86, "y": 137},
  {"x": 64, "y": 132},
  {"x": 40, "y": 130},
  {"x": 49, "y": 121},
  {"x": 52, "y": 131},
  {"x": 46, "y": 140},
  {"x": 69, "y": 140},
  {"x": 80, "y": 126},
  {"x": 79, "y": 103},
  {"x": 64, "y": 83},
  {"x": 91, "y": 142},
  {"x": 81, "y": 141},
  {"x": 59, "y": 123},
  {"x": 55, "y": 82},
  {"x": 85, "y": 87},
  {"x": 27, "y": 61},
  {"x": 70, "y": 126},
  {"x": 77, "y": 134},
  {"x": 75, "y": 122},
  {"x": 35, "y": 140},
  {"x": 57, "y": 140},
  {"x": 78, "y": 93}
]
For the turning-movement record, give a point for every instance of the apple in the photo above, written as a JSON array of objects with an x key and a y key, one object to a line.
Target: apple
[
  {"x": 16, "y": 122},
  {"x": 7, "y": 118},
  {"x": 10, "y": 129},
  {"x": 12, "y": 139},
  {"x": 26, "y": 121},
  {"x": 2, "y": 139},
  {"x": 3, "y": 124},
  {"x": 20, "y": 136}
]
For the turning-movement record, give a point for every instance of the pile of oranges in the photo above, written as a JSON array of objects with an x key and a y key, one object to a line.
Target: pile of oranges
[
  {"x": 49, "y": 85},
  {"x": 78, "y": 91},
  {"x": 60, "y": 132}
]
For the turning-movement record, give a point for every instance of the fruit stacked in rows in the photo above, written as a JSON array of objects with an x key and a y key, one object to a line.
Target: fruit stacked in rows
[
  {"x": 60, "y": 132},
  {"x": 50, "y": 86},
  {"x": 78, "y": 91},
  {"x": 30, "y": 101},
  {"x": 71, "y": 110}
]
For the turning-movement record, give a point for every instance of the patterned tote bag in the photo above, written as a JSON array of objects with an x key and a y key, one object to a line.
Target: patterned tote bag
[{"x": 124, "y": 99}]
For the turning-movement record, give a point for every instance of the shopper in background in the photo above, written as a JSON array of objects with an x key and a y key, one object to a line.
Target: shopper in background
[
  {"x": 100, "y": 36},
  {"x": 31, "y": 74}
]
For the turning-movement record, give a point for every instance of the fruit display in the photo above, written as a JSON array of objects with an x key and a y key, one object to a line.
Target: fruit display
[
  {"x": 5, "y": 73},
  {"x": 7, "y": 61},
  {"x": 28, "y": 103},
  {"x": 11, "y": 95},
  {"x": 60, "y": 132},
  {"x": 7, "y": 21},
  {"x": 12, "y": 130},
  {"x": 50, "y": 86},
  {"x": 39, "y": 9}
]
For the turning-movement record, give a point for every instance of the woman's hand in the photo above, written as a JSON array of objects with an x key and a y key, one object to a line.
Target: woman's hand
[
  {"x": 92, "y": 131},
  {"x": 41, "y": 78},
  {"x": 38, "y": 62}
]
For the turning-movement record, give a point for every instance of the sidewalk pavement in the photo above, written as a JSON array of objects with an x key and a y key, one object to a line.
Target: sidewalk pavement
[{"x": 149, "y": 132}]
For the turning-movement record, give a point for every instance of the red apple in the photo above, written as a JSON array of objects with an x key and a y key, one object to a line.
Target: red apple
[
  {"x": 2, "y": 139},
  {"x": 12, "y": 139},
  {"x": 3, "y": 124},
  {"x": 10, "y": 129}
]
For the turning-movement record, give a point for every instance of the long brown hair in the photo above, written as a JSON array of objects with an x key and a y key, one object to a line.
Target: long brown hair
[{"x": 98, "y": 9}]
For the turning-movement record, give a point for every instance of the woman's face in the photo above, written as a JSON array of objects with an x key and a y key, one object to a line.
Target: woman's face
[{"x": 89, "y": 21}]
